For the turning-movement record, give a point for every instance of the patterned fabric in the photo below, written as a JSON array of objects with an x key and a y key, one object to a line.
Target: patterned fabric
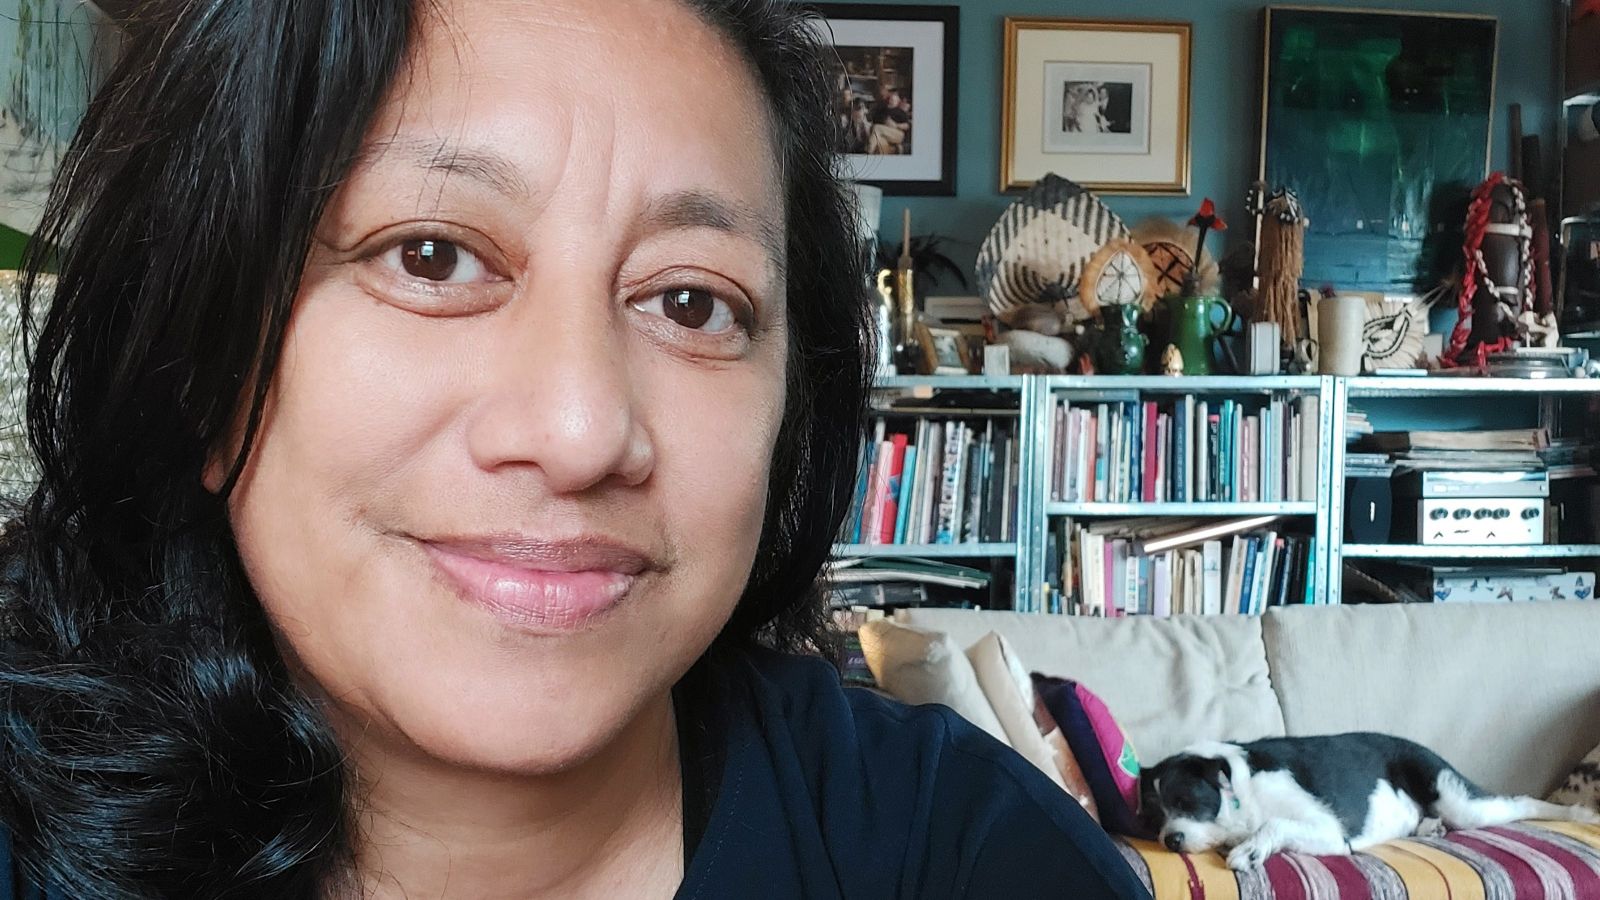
[{"x": 1524, "y": 861}]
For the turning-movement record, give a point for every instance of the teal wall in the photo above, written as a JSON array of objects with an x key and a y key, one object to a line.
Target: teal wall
[{"x": 1225, "y": 90}]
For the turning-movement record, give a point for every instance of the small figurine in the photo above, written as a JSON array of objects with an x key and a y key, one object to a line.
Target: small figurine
[{"x": 1172, "y": 361}]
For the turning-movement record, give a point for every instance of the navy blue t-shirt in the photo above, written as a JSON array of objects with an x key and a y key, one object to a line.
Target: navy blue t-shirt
[{"x": 799, "y": 787}]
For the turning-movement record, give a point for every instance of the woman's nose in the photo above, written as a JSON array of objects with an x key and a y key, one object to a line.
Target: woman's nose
[{"x": 559, "y": 397}]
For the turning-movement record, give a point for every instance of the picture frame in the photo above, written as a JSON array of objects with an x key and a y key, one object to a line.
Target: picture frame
[
  {"x": 1100, "y": 102},
  {"x": 1381, "y": 122},
  {"x": 944, "y": 350},
  {"x": 895, "y": 108}
]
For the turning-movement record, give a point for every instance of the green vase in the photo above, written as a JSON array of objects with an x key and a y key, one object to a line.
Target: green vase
[
  {"x": 1195, "y": 327},
  {"x": 1122, "y": 352}
]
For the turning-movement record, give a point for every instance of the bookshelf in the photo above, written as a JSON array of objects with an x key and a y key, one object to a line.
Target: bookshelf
[
  {"x": 1180, "y": 490},
  {"x": 983, "y": 404},
  {"x": 1544, "y": 400},
  {"x": 1031, "y": 401}
]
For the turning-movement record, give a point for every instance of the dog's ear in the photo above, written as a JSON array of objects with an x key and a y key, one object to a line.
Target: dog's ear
[
  {"x": 1148, "y": 776},
  {"x": 1215, "y": 772}
]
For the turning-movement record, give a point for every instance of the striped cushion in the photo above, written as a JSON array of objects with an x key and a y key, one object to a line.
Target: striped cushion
[{"x": 1536, "y": 861}]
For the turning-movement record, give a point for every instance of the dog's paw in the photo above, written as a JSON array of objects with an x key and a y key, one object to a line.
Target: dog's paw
[
  {"x": 1248, "y": 856},
  {"x": 1585, "y": 815},
  {"x": 1431, "y": 828}
]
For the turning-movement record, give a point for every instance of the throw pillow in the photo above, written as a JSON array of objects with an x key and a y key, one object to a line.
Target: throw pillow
[
  {"x": 1582, "y": 787},
  {"x": 918, "y": 665},
  {"x": 1104, "y": 752},
  {"x": 1072, "y": 777},
  {"x": 1005, "y": 682}
]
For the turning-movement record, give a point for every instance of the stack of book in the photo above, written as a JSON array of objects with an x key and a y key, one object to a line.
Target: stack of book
[
  {"x": 1170, "y": 567},
  {"x": 1509, "y": 450},
  {"x": 890, "y": 583},
  {"x": 943, "y": 482},
  {"x": 1185, "y": 450}
]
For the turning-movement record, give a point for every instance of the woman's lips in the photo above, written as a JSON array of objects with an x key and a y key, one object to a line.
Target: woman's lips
[{"x": 546, "y": 586}]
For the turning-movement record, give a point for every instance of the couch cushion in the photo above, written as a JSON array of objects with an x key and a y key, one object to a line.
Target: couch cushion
[
  {"x": 1507, "y": 692},
  {"x": 1169, "y": 682},
  {"x": 920, "y": 665},
  {"x": 1525, "y": 861}
]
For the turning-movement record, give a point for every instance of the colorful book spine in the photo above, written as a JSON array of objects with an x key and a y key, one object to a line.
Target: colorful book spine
[
  {"x": 1150, "y": 444},
  {"x": 889, "y": 509},
  {"x": 908, "y": 483},
  {"x": 948, "y": 483}
]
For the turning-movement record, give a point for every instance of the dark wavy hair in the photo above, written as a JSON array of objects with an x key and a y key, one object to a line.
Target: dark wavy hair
[{"x": 153, "y": 744}]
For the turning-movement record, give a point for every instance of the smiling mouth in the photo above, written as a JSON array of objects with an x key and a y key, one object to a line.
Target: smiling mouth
[{"x": 538, "y": 586}]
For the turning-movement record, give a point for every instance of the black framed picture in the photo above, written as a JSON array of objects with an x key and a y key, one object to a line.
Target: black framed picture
[{"x": 895, "y": 98}]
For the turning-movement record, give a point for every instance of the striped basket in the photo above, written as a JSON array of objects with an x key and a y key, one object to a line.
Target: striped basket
[
  {"x": 1525, "y": 861},
  {"x": 1037, "y": 251}
]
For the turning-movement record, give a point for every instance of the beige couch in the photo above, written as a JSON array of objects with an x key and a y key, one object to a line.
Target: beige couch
[{"x": 1509, "y": 693}]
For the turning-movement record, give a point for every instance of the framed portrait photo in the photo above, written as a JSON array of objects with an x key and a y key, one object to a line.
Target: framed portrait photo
[
  {"x": 944, "y": 350},
  {"x": 895, "y": 94},
  {"x": 1104, "y": 104}
]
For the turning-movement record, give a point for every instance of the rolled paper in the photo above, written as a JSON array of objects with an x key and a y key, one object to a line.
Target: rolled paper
[{"x": 1341, "y": 323}]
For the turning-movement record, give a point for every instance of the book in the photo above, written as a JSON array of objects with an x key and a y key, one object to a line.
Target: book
[
  {"x": 889, "y": 503},
  {"x": 1211, "y": 571},
  {"x": 1150, "y": 441},
  {"x": 1247, "y": 576},
  {"x": 1233, "y": 590},
  {"x": 1161, "y": 586},
  {"x": 908, "y": 482},
  {"x": 1482, "y": 439},
  {"x": 945, "y": 522}
]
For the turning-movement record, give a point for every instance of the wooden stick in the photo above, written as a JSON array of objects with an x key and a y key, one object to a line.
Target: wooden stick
[{"x": 905, "y": 238}]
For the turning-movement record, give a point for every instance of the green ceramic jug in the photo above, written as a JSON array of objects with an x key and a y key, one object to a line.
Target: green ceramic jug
[
  {"x": 1195, "y": 329},
  {"x": 1122, "y": 352}
]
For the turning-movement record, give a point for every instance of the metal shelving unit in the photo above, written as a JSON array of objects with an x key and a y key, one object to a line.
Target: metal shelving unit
[
  {"x": 1470, "y": 551},
  {"x": 1547, "y": 392},
  {"x": 927, "y": 387},
  {"x": 1127, "y": 387},
  {"x": 1087, "y": 510},
  {"x": 927, "y": 551},
  {"x": 1033, "y": 408}
]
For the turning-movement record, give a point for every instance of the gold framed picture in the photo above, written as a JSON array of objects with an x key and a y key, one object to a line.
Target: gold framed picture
[
  {"x": 944, "y": 350},
  {"x": 1102, "y": 103}
]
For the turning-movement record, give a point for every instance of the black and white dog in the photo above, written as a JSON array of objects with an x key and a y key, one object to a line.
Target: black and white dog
[{"x": 1327, "y": 796}]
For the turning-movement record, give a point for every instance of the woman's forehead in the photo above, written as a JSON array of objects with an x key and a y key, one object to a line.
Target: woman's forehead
[{"x": 628, "y": 94}]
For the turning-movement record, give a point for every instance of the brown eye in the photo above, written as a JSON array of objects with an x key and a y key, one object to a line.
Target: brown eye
[
  {"x": 693, "y": 309},
  {"x": 689, "y": 308},
  {"x": 436, "y": 261},
  {"x": 429, "y": 259}
]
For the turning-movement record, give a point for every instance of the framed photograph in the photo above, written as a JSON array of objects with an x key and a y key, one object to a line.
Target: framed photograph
[
  {"x": 895, "y": 103},
  {"x": 944, "y": 350},
  {"x": 1380, "y": 122},
  {"x": 1105, "y": 104}
]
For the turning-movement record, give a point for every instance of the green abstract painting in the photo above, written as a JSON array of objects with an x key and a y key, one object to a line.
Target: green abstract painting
[{"x": 1380, "y": 123}]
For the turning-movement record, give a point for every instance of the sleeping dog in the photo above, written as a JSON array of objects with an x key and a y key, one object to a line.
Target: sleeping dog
[{"x": 1321, "y": 795}]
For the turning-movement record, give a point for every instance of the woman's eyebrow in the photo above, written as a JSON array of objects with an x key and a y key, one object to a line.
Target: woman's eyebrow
[
  {"x": 705, "y": 209},
  {"x": 483, "y": 166}
]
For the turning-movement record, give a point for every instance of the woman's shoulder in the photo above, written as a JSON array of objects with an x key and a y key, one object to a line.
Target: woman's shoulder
[{"x": 921, "y": 783}]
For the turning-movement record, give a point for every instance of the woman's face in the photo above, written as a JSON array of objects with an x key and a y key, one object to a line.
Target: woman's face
[{"x": 513, "y": 470}]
